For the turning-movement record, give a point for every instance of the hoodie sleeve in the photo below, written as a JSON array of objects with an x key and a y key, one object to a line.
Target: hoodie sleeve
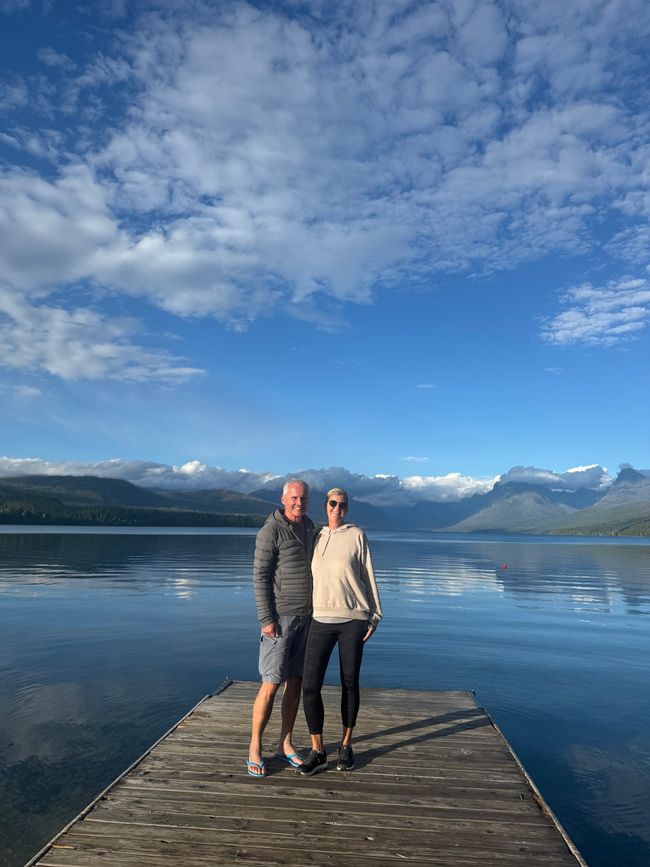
[
  {"x": 368, "y": 578},
  {"x": 264, "y": 563}
]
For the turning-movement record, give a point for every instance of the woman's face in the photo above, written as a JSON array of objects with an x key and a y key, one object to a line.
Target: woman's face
[{"x": 336, "y": 508}]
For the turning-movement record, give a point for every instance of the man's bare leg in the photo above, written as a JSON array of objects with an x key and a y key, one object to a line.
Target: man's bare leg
[
  {"x": 290, "y": 702},
  {"x": 262, "y": 707}
]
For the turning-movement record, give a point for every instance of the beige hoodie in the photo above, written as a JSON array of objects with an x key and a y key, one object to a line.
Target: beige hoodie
[{"x": 344, "y": 581}]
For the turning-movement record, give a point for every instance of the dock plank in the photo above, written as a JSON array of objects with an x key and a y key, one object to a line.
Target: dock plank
[{"x": 435, "y": 784}]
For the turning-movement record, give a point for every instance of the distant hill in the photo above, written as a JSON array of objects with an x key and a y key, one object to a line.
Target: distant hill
[
  {"x": 429, "y": 515},
  {"x": 623, "y": 511},
  {"x": 84, "y": 490},
  {"x": 90, "y": 500},
  {"x": 629, "y": 519},
  {"x": 628, "y": 487},
  {"x": 100, "y": 491},
  {"x": 517, "y": 508},
  {"x": 216, "y": 500},
  {"x": 511, "y": 507}
]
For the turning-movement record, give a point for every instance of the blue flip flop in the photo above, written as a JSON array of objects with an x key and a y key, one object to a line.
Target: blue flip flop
[
  {"x": 292, "y": 759},
  {"x": 262, "y": 769}
]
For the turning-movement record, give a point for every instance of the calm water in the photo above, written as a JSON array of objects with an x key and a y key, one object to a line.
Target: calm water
[{"x": 107, "y": 638}]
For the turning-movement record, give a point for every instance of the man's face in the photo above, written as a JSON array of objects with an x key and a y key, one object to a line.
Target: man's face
[{"x": 295, "y": 502}]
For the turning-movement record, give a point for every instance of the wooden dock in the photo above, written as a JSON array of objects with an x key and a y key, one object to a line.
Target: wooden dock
[{"x": 436, "y": 783}]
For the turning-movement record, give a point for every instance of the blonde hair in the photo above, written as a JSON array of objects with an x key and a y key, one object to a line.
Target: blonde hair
[{"x": 333, "y": 491}]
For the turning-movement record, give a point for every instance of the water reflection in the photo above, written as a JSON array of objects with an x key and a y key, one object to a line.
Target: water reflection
[
  {"x": 107, "y": 638},
  {"x": 103, "y": 561},
  {"x": 600, "y": 575}
]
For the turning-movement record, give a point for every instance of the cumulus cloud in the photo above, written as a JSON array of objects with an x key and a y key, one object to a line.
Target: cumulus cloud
[
  {"x": 453, "y": 486},
  {"x": 193, "y": 475},
  {"x": 632, "y": 245},
  {"x": 51, "y": 57},
  {"x": 78, "y": 344},
  {"x": 14, "y": 92},
  {"x": 574, "y": 479},
  {"x": 53, "y": 231},
  {"x": 379, "y": 489},
  {"x": 229, "y": 161},
  {"x": 605, "y": 316}
]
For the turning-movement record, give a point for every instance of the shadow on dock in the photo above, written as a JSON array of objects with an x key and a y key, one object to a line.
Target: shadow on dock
[{"x": 436, "y": 784}]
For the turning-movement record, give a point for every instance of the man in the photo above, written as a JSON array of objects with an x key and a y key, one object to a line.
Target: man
[{"x": 282, "y": 580}]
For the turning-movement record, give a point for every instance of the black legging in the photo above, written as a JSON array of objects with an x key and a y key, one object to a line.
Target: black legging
[{"x": 320, "y": 644}]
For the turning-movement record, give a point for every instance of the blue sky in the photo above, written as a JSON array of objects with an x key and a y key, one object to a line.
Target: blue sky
[{"x": 407, "y": 239}]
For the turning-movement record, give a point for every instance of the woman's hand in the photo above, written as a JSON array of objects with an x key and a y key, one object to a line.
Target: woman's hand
[{"x": 370, "y": 632}]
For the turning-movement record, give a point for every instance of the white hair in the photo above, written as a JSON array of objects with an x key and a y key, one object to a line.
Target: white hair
[{"x": 295, "y": 482}]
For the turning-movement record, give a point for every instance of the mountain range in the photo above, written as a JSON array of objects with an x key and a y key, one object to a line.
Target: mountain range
[{"x": 510, "y": 507}]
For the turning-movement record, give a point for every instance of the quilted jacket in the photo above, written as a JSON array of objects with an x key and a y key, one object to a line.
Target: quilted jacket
[{"x": 282, "y": 568}]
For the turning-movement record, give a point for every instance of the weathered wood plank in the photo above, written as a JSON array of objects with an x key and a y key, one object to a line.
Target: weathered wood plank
[
  {"x": 164, "y": 853},
  {"x": 258, "y": 819},
  {"x": 435, "y": 784},
  {"x": 383, "y": 846}
]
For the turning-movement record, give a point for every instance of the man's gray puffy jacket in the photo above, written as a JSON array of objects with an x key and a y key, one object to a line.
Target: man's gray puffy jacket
[{"x": 282, "y": 568}]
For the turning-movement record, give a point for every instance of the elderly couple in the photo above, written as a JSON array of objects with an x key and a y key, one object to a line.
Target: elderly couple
[{"x": 313, "y": 589}]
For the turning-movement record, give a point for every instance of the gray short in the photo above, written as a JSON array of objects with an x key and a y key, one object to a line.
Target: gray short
[{"x": 284, "y": 655}]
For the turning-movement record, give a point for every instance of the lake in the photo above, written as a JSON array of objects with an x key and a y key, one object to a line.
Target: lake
[{"x": 108, "y": 636}]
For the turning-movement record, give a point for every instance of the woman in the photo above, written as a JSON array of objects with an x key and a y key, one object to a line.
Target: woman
[{"x": 346, "y": 611}]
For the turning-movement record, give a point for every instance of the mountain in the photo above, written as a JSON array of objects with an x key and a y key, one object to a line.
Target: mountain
[
  {"x": 516, "y": 507},
  {"x": 511, "y": 507},
  {"x": 87, "y": 491},
  {"x": 628, "y": 487},
  {"x": 534, "y": 509},
  {"x": 428, "y": 515},
  {"x": 17, "y": 499},
  {"x": 628, "y": 519},
  {"x": 92, "y": 501},
  {"x": 216, "y": 500},
  {"x": 84, "y": 490}
]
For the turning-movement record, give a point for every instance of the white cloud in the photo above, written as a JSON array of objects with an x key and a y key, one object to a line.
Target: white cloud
[
  {"x": 229, "y": 161},
  {"x": 27, "y": 391},
  {"x": 426, "y": 385},
  {"x": 53, "y": 232},
  {"x": 13, "y": 92},
  {"x": 77, "y": 344},
  {"x": 380, "y": 489},
  {"x": 574, "y": 479},
  {"x": 193, "y": 475},
  {"x": 453, "y": 486},
  {"x": 632, "y": 245},
  {"x": 13, "y": 5},
  {"x": 51, "y": 57},
  {"x": 416, "y": 459},
  {"x": 601, "y": 316}
]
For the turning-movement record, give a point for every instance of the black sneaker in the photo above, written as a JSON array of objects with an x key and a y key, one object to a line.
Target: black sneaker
[
  {"x": 314, "y": 763},
  {"x": 346, "y": 759}
]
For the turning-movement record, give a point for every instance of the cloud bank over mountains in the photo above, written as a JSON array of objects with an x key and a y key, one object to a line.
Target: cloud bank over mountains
[
  {"x": 227, "y": 161},
  {"x": 380, "y": 490}
]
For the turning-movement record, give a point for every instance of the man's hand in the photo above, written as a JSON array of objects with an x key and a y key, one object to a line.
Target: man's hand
[{"x": 271, "y": 629}]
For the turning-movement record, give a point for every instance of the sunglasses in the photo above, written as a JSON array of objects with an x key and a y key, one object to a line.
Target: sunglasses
[{"x": 334, "y": 503}]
